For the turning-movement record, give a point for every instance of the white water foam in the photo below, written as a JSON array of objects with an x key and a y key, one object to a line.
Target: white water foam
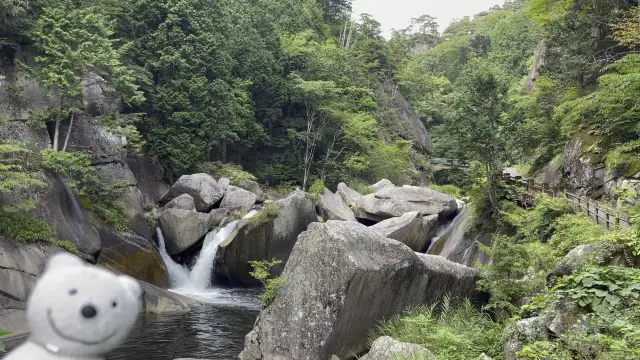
[{"x": 197, "y": 282}]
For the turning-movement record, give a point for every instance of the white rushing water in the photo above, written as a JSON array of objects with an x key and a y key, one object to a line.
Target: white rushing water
[{"x": 196, "y": 282}]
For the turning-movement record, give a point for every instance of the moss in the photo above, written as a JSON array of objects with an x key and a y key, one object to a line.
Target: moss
[
  {"x": 25, "y": 228},
  {"x": 268, "y": 214}
]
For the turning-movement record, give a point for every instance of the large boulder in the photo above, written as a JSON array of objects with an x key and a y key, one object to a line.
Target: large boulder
[
  {"x": 412, "y": 229},
  {"x": 98, "y": 97},
  {"x": 238, "y": 200},
  {"x": 331, "y": 207},
  {"x": 183, "y": 228},
  {"x": 89, "y": 135},
  {"x": 349, "y": 196},
  {"x": 342, "y": 279},
  {"x": 265, "y": 238},
  {"x": 383, "y": 184},
  {"x": 20, "y": 266},
  {"x": 386, "y": 348},
  {"x": 253, "y": 187},
  {"x": 132, "y": 255},
  {"x": 523, "y": 332},
  {"x": 158, "y": 301},
  {"x": 396, "y": 201},
  {"x": 459, "y": 245},
  {"x": 204, "y": 189},
  {"x": 182, "y": 202}
]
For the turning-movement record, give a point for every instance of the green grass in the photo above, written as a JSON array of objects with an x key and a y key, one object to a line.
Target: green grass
[
  {"x": 450, "y": 332},
  {"x": 451, "y": 190},
  {"x": 362, "y": 188},
  {"x": 268, "y": 213}
]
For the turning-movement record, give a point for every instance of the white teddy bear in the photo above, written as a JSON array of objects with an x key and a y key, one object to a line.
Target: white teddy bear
[{"x": 78, "y": 312}]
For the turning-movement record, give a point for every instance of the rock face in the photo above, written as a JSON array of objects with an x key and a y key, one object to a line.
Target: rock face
[
  {"x": 458, "y": 246},
  {"x": 150, "y": 176},
  {"x": 526, "y": 331},
  {"x": 412, "y": 229},
  {"x": 539, "y": 56},
  {"x": 267, "y": 240},
  {"x": 20, "y": 265},
  {"x": 183, "y": 228},
  {"x": 182, "y": 202},
  {"x": 99, "y": 97},
  {"x": 217, "y": 215},
  {"x": 331, "y": 207},
  {"x": 342, "y": 279},
  {"x": 134, "y": 256},
  {"x": 397, "y": 201},
  {"x": 386, "y": 348},
  {"x": 204, "y": 189},
  {"x": 349, "y": 196},
  {"x": 238, "y": 200}
]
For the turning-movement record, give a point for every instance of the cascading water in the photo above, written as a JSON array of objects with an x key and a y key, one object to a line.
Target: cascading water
[
  {"x": 178, "y": 274},
  {"x": 197, "y": 282}
]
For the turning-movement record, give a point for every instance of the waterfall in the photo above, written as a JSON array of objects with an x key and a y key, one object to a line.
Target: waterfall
[
  {"x": 199, "y": 278},
  {"x": 178, "y": 274}
]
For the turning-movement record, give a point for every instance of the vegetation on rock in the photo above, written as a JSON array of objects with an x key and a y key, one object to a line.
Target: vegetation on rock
[{"x": 271, "y": 284}]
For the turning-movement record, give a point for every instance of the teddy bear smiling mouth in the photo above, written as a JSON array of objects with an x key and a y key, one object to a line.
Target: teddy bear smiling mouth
[{"x": 70, "y": 338}]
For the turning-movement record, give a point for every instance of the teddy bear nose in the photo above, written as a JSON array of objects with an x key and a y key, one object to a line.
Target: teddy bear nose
[{"x": 89, "y": 311}]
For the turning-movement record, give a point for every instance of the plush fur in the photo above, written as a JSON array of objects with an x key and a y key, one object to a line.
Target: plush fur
[{"x": 78, "y": 312}]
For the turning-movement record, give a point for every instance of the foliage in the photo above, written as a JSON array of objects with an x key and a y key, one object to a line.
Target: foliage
[
  {"x": 235, "y": 173},
  {"x": 125, "y": 126},
  {"x": 3, "y": 333},
  {"x": 362, "y": 188},
  {"x": 540, "y": 223},
  {"x": 317, "y": 189},
  {"x": 572, "y": 231},
  {"x": 95, "y": 194},
  {"x": 271, "y": 285},
  {"x": 451, "y": 190},
  {"x": 25, "y": 228},
  {"x": 268, "y": 214},
  {"x": 17, "y": 173},
  {"x": 450, "y": 331}
]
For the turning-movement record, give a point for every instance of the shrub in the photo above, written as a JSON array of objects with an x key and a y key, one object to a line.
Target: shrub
[
  {"x": 518, "y": 269},
  {"x": 540, "y": 223},
  {"x": 316, "y": 190},
  {"x": 451, "y": 190},
  {"x": 609, "y": 327},
  {"x": 102, "y": 198},
  {"x": 271, "y": 285},
  {"x": 235, "y": 173},
  {"x": 362, "y": 188},
  {"x": 268, "y": 214},
  {"x": 455, "y": 332},
  {"x": 16, "y": 174},
  {"x": 25, "y": 228},
  {"x": 572, "y": 231}
]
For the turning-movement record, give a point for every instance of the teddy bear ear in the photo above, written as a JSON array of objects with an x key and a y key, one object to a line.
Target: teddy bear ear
[
  {"x": 131, "y": 285},
  {"x": 63, "y": 261}
]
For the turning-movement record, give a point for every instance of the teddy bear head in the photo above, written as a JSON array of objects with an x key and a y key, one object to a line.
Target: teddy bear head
[{"x": 78, "y": 309}]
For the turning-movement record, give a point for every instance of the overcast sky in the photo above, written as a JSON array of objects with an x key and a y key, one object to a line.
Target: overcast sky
[{"x": 396, "y": 14}]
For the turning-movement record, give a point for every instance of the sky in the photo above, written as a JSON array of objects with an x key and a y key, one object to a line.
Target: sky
[{"x": 396, "y": 14}]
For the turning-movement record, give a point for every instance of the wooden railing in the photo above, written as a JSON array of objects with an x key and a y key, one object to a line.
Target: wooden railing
[{"x": 599, "y": 213}]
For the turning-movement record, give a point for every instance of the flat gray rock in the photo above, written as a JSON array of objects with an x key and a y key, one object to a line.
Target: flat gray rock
[
  {"x": 238, "y": 200},
  {"x": 183, "y": 202},
  {"x": 349, "y": 196},
  {"x": 394, "y": 202}
]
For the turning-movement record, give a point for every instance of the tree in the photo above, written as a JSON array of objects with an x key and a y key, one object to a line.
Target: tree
[
  {"x": 75, "y": 42},
  {"x": 478, "y": 124}
]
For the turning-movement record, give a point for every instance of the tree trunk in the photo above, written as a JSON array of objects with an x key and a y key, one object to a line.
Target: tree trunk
[
  {"x": 56, "y": 135},
  {"x": 66, "y": 139},
  {"x": 223, "y": 154}
]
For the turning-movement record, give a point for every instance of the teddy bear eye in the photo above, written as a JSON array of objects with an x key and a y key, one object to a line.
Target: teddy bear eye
[
  {"x": 114, "y": 304},
  {"x": 73, "y": 292}
]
